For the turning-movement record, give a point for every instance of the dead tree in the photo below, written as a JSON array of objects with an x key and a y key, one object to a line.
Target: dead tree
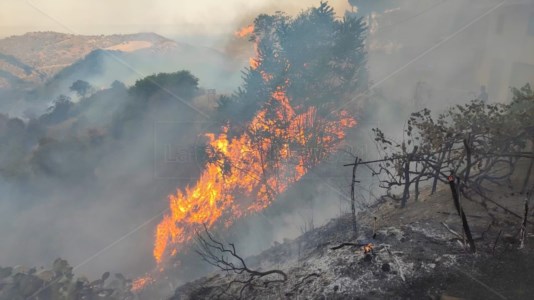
[{"x": 225, "y": 258}]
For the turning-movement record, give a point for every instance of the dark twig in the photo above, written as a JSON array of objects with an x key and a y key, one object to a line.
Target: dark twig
[
  {"x": 347, "y": 245},
  {"x": 303, "y": 280},
  {"x": 226, "y": 259}
]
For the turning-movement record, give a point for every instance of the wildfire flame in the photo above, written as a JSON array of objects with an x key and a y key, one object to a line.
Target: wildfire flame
[
  {"x": 245, "y": 173},
  {"x": 243, "y": 32},
  {"x": 140, "y": 283},
  {"x": 244, "y": 167}
]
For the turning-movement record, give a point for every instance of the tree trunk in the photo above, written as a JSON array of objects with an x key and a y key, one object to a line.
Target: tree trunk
[
  {"x": 438, "y": 168},
  {"x": 467, "y": 145}
]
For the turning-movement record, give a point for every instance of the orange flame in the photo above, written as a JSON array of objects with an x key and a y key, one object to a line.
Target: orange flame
[
  {"x": 257, "y": 166},
  {"x": 254, "y": 62},
  {"x": 243, "y": 32},
  {"x": 140, "y": 283},
  {"x": 245, "y": 173},
  {"x": 368, "y": 248}
]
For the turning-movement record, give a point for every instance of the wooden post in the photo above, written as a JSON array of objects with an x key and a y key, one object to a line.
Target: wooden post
[
  {"x": 523, "y": 232},
  {"x": 406, "y": 193},
  {"x": 454, "y": 183},
  {"x": 353, "y": 197},
  {"x": 529, "y": 171}
]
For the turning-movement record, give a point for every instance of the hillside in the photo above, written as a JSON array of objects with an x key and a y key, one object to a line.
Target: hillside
[
  {"x": 38, "y": 56},
  {"x": 415, "y": 256}
]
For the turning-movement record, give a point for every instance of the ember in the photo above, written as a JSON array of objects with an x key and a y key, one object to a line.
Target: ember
[
  {"x": 368, "y": 248},
  {"x": 141, "y": 282}
]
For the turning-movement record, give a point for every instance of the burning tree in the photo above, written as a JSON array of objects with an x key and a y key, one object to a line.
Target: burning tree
[
  {"x": 277, "y": 126},
  {"x": 317, "y": 60}
]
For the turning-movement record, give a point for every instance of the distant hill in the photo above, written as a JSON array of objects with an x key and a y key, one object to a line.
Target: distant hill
[
  {"x": 38, "y": 56},
  {"x": 39, "y": 66}
]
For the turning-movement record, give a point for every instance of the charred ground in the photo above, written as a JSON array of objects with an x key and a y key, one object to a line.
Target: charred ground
[{"x": 425, "y": 260}]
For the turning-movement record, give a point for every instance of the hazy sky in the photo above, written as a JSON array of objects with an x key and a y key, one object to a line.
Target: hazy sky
[{"x": 168, "y": 17}]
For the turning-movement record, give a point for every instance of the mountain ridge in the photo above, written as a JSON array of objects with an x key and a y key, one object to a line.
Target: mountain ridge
[{"x": 36, "y": 57}]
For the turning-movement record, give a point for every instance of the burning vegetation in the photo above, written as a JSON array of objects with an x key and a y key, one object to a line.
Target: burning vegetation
[
  {"x": 274, "y": 130},
  {"x": 245, "y": 31},
  {"x": 274, "y": 152},
  {"x": 422, "y": 248},
  {"x": 288, "y": 93}
]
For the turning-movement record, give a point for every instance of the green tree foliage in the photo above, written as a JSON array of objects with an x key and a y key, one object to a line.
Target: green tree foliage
[
  {"x": 162, "y": 96},
  {"x": 183, "y": 84},
  {"x": 70, "y": 160},
  {"x": 58, "y": 112},
  {"x": 13, "y": 151},
  {"x": 317, "y": 59},
  {"x": 82, "y": 88}
]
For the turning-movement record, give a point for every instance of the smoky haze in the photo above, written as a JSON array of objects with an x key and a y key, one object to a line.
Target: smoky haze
[
  {"x": 438, "y": 51},
  {"x": 170, "y": 18}
]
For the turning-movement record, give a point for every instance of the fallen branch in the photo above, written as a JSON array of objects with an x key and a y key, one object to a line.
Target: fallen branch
[
  {"x": 226, "y": 259},
  {"x": 347, "y": 245},
  {"x": 401, "y": 274},
  {"x": 452, "y": 231},
  {"x": 298, "y": 284}
]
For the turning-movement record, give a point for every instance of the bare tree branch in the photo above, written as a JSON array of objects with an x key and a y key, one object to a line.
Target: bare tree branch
[{"x": 225, "y": 258}]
